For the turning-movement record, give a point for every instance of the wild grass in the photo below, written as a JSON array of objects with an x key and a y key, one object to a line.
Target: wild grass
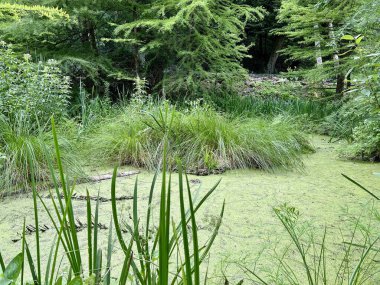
[
  {"x": 22, "y": 142},
  {"x": 201, "y": 136},
  {"x": 312, "y": 109}
]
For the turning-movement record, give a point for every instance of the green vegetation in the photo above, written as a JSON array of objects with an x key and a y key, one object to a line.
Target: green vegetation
[
  {"x": 178, "y": 86},
  {"x": 200, "y": 136},
  {"x": 171, "y": 239},
  {"x": 357, "y": 265}
]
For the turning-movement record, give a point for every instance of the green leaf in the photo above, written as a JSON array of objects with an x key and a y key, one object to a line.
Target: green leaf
[
  {"x": 90, "y": 280},
  {"x": 359, "y": 39},
  {"x": 59, "y": 281},
  {"x": 347, "y": 38},
  {"x": 76, "y": 281},
  {"x": 13, "y": 269}
]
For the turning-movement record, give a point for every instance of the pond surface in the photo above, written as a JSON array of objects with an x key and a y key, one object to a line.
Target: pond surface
[{"x": 250, "y": 227}]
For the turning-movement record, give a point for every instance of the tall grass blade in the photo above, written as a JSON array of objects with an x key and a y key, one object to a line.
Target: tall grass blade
[
  {"x": 48, "y": 266},
  {"x": 89, "y": 232},
  {"x": 196, "y": 264},
  {"x": 31, "y": 264},
  {"x": 135, "y": 232},
  {"x": 95, "y": 243},
  {"x": 2, "y": 265},
  {"x": 186, "y": 250},
  {"x": 127, "y": 264},
  {"x": 73, "y": 233},
  {"x": 114, "y": 212},
  {"x": 360, "y": 186},
  {"x": 162, "y": 240},
  {"x": 23, "y": 253},
  {"x": 107, "y": 275},
  {"x": 36, "y": 223},
  {"x": 355, "y": 275}
]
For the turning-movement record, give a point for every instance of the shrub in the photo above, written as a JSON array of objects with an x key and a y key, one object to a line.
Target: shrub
[
  {"x": 34, "y": 90},
  {"x": 357, "y": 122},
  {"x": 201, "y": 136}
]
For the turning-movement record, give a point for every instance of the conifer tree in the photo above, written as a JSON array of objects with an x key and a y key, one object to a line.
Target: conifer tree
[{"x": 191, "y": 47}]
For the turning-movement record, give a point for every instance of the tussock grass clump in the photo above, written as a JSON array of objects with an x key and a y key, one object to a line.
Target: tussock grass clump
[
  {"x": 201, "y": 136},
  {"x": 21, "y": 144}
]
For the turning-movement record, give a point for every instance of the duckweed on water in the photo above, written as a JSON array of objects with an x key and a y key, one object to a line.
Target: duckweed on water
[{"x": 249, "y": 228}]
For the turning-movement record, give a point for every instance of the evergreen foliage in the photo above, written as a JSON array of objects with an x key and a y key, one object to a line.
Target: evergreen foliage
[{"x": 192, "y": 46}]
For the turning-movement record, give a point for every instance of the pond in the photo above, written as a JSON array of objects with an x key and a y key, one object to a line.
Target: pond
[{"x": 250, "y": 233}]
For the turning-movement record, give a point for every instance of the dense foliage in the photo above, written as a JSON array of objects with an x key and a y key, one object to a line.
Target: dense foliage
[
  {"x": 106, "y": 52},
  {"x": 31, "y": 91}
]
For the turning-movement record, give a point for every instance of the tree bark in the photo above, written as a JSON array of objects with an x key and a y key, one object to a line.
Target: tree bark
[
  {"x": 339, "y": 84},
  {"x": 318, "y": 47},
  {"x": 279, "y": 40},
  {"x": 340, "y": 77}
]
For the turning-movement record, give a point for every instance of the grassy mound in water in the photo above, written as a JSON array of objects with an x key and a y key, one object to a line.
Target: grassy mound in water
[{"x": 200, "y": 136}]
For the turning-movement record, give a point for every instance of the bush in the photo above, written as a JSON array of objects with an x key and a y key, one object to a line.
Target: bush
[
  {"x": 34, "y": 90},
  {"x": 201, "y": 136},
  {"x": 357, "y": 121}
]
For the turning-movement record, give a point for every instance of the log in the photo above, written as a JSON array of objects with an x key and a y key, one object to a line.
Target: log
[{"x": 102, "y": 177}]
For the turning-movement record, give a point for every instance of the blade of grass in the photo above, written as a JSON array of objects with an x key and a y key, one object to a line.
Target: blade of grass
[
  {"x": 355, "y": 275},
  {"x": 95, "y": 243},
  {"x": 114, "y": 212},
  {"x": 23, "y": 253},
  {"x": 186, "y": 250},
  {"x": 163, "y": 250},
  {"x": 360, "y": 186},
  {"x": 196, "y": 264},
  {"x": 107, "y": 275},
  {"x": 2, "y": 263},
  {"x": 48, "y": 266},
  {"x": 35, "y": 208},
  {"x": 31, "y": 264},
  {"x": 126, "y": 266},
  {"x": 89, "y": 231},
  {"x": 136, "y": 234}
]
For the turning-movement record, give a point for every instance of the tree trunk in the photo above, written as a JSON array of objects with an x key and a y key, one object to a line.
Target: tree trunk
[
  {"x": 92, "y": 38},
  {"x": 340, "y": 76},
  {"x": 279, "y": 40},
  {"x": 318, "y": 47},
  {"x": 334, "y": 45},
  {"x": 339, "y": 84}
]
